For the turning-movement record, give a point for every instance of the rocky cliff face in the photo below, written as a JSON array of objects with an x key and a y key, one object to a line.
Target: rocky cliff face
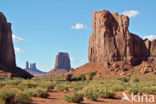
[
  {"x": 62, "y": 61},
  {"x": 113, "y": 50},
  {"x": 62, "y": 65},
  {"x": 153, "y": 51},
  {"x": 112, "y": 41},
  {"x": 7, "y": 54}
]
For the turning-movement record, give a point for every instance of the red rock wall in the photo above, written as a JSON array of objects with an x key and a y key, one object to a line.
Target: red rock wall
[{"x": 112, "y": 41}]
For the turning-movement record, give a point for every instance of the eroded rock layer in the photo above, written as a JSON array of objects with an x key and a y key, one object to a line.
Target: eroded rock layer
[{"x": 112, "y": 41}]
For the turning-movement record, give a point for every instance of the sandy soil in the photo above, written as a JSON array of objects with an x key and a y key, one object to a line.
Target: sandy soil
[{"x": 57, "y": 98}]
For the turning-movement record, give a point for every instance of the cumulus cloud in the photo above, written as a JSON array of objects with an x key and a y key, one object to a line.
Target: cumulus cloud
[
  {"x": 79, "y": 26},
  {"x": 130, "y": 13},
  {"x": 17, "y": 39},
  {"x": 18, "y": 50},
  {"x": 150, "y": 37}
]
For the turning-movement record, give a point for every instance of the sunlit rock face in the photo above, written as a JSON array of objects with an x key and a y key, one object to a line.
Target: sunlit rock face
[{"x": 112, "y": 41}]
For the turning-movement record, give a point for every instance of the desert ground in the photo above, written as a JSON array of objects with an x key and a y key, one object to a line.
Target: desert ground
[{"x": 84, "y": 89}]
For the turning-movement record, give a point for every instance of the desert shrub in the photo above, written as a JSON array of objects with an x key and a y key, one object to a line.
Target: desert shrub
[
  {"x": 90, "y": 75},
  {"x": 75, "y": 97},
  {"x": 90, "y": 92},
  {"x": 150, "y": 90},
  {"x": 61, "y": 88},
  {"x": 30, "y": 83},
  {"x": 37, "y": 92},
  {"x": 135, "y": 89},
  {"x": 46, "y": 84},
  {"x": 82, "y": 77},
  {"x": 77, "y": 85},
  {"x": 2, "y": 84},
  {"x": 13, "y": 82},
  {"x": 105, "y": 92},
  {"x": 118, "y": 87},
  {"x": 92, "y": 96},
  {"x": 135, "y": 80},
  {"x": 31, "y": 92},
  {"x": 22, "y": 98},
  {"x": 95, "y": 90},
  {"x": 42, "y": 92},
  {"x": 7, "y": 96},
  {"x": 69, "y": 77},
  {"x": 123, "y": 79}
]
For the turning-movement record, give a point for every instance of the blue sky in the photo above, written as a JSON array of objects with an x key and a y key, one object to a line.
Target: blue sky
[{"x": 42, "y": 28}]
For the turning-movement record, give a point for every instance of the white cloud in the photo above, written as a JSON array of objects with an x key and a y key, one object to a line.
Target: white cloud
[
  {"x": 79, "y": 26},
  {"x": 83, "y": 61},
  {"x": 150, "y": 37},
  {"x": 72, "y": 59},
  {"x": 130, "y": 13},
  {"x": 18, "y": 50},
  {"x": 17, "y": 39}
]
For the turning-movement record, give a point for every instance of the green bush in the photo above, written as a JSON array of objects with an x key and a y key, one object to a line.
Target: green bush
[
  {"x": 37, "y": 92},
  {"x": 22, "y": 98},
  {"x": 75, "y": 98},
  {"x": 150, "y": 90},
  {"x": 123, "y": 79},
  {"x": 46, "y": 84},
  {"x": 96, "y": 90},
  {"x": 135, "y": 89},
  {"x": 8, "y": 96},
  {"x": 106, "y": 93},
  {"x": 82, "y": 77},
  {"x": 61, "y": 88},
  {"x": 118, "y": 87},
  {"x": 90, "y": 75},
  {"x": 91, "y": 96},
  {"x": 135, "y": 80},
  {"x": 2, "y": 84}
]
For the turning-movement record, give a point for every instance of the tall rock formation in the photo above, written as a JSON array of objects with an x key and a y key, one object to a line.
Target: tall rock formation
[
  {"x": 7, "y": 54},
  {"x": 62, "y": 65},
  {"x": 153, "y": 51},
  {"x": 62, "y": 61},
  {"x": 112, "y": 41},
  {"x": 27, "y": 65},
  {"x": 113, "y": 50}
]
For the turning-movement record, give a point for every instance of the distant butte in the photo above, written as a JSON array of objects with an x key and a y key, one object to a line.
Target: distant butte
[{"x": 62, "y": 65}]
